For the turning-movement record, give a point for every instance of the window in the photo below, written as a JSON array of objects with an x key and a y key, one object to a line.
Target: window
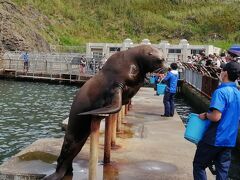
[
  {"x": 196, "y": 51},
  {"x": 177, "y": 51},
  {"x": 97, "y": 53},
  {"x": 113, "y": 49}
]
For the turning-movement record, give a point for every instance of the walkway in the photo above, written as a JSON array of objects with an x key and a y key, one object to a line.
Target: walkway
[{"x": 152, "y": 148}]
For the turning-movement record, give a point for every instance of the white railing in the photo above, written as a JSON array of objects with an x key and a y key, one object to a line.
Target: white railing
[
  {"x": 203, "y": 78},
  {"x": 51, "y": 63},
  {"x": 194, "y": 78}
]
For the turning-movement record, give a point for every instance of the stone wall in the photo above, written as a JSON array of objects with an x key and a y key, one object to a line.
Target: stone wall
[{"x": 20, "y": 29}]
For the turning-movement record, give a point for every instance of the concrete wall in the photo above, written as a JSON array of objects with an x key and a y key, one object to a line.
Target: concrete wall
[{"x": 195, "y": 98}]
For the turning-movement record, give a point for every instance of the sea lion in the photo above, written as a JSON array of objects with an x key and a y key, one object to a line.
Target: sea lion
[{"x": 119, "y": 80}]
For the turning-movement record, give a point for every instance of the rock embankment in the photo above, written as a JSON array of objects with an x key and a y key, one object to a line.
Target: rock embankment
[{"x": 20, "y": 29}]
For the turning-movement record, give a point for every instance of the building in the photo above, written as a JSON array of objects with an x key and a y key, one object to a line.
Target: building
[{"x": 171, "y": 52}]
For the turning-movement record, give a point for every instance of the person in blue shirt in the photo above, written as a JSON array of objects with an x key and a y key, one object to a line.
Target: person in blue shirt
[
  {"x": 156, "y": 79},
  {"x": 171, "y": 80},
  {"x": 25, "y": 57},
  {"x": 220, "y": 137}
]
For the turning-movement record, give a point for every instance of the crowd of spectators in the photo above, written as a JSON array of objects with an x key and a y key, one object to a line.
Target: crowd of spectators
[{"x": 212, "y": 60}]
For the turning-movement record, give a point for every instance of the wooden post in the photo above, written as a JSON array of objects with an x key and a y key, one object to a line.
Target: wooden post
[
  {"x": 107, "y": 139},
  {"x": 123, "y": 114},
  {"x": 94, "y": 141},
  {"x": 129, "y": 105},
  {"x": 114, "y": 129},
  {"x": 119, "y": 121},
  {"x": 123, "y": 111},
  {"x": 126, "y": 109}
]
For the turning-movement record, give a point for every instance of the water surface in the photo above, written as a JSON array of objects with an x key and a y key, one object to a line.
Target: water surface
[{"x": 30, "y": 111}]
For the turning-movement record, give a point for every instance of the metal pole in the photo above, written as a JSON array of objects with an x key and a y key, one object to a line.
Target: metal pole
[
  {"x": 51, "y": 68},
  {"x": 34, "y": 67},
  {"x": 16, "y": 69},
  {"x": 46, "y": 68},
  {"x": 70, "y": 71}
]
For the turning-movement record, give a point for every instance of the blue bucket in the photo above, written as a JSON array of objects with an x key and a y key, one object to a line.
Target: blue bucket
[
  {"x": 152, "y": 80},
  {"x": 161, "y": 88},
  {"x": 196, "y": 128}
]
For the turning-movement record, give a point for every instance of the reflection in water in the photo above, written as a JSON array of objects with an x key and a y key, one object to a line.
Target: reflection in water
[
  {"x": 140, "y": 170},
  {"x": 110, "y": 171},
  {"x": 30, "y": 111},
  {"x": 131, "y": 170}
]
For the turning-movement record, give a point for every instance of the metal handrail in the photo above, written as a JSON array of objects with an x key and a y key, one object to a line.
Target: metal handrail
[{"x": 202, "y": 78}]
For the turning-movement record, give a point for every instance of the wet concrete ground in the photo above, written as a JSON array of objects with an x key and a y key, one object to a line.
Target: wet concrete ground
[{"x": 152, "y": 148}]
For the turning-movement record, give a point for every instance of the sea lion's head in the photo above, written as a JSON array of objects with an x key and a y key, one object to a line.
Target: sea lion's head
[{"x": 149, "y": 58}]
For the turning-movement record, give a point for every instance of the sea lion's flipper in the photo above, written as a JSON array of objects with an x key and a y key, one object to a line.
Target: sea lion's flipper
[{"x": 112, "y": 108}]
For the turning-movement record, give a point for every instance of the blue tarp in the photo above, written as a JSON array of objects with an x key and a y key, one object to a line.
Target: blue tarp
[
  {"x": 234, "y": 50},
  {"x": 235, "y": 47}
]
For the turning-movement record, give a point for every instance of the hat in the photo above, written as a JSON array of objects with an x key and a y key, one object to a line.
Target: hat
[{"x": 231, "y": 67}]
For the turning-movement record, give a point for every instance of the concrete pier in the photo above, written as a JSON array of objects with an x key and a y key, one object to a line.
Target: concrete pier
[{"x": 149, "y": 148}]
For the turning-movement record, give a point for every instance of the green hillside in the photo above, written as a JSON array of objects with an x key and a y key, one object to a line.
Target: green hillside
[{"x": 73, "y": 22}]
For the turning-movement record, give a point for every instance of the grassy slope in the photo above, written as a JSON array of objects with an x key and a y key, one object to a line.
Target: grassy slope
[{"x": 74, "y": 22}]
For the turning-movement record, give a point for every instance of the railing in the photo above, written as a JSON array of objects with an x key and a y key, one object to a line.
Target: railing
[
  {"x": 1, "y": 63},
  {"x": 204, "y": 79},
  {"x": 50, "y": 64}
]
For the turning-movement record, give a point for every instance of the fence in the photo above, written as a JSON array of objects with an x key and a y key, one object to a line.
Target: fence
[
  {"x": 51, "y": 64},
  {"x": 204, "y": 79}
]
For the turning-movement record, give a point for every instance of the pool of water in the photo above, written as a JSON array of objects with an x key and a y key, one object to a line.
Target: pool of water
[
  {"x": 30, "y": 111},
  {"x": 183, "y": 108}
]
